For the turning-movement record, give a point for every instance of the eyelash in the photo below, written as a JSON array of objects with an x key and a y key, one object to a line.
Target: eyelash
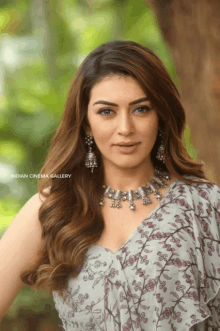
[{"x": 141, "y": 107}]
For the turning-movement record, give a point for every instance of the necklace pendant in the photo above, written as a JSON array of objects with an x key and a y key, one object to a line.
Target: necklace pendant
[
  {"x": 146, "y": 201},
  {"x": 119, "y": 204},
  {"x": 132, "y": 206},
  {"x": 158, "y": 195},
  {"x": 112, "y": 204}
]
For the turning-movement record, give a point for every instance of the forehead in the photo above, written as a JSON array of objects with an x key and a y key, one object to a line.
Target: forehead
[{"x": 116, "y": 85}]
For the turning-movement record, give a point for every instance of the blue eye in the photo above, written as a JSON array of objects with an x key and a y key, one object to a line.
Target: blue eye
[
  {"x": 143, "y": 108},
  {"x": 104, "y": 110}
]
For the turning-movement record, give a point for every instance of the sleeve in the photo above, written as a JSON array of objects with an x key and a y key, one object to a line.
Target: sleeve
[{"x": 209, "y": 255}]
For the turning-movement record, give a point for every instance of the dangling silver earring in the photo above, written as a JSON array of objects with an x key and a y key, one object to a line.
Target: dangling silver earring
[
  {"x": 160, "y": 153},
  {"x": 91, "y": 160}
]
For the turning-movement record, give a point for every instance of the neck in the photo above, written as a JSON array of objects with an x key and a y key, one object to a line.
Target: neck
[{"x": 128, "y": 178}]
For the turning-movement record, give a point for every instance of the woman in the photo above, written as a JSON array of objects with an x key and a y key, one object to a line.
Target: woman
[{"x": 131, "y": 240}]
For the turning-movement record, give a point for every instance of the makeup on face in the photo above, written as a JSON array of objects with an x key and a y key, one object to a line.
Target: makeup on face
[{"x": 120, "y": 113}]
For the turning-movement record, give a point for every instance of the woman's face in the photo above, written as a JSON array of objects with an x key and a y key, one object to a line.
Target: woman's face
[{"x": 118, "y": 111}]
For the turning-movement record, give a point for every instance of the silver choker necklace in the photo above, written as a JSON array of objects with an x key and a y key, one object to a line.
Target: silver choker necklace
[{"x": 142, "y": 192}]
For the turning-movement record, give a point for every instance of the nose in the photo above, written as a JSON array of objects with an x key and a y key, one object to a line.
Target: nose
[{"x": 125, "y": 125}]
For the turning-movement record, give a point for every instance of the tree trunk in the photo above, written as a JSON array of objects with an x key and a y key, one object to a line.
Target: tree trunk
[{"x": 192, "y": 30}]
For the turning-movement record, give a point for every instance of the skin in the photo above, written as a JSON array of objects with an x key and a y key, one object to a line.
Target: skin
[{"x": 123, "y": 122}]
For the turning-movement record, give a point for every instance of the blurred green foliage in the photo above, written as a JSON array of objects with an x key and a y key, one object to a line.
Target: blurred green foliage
[{"x": 42, "y": 43}]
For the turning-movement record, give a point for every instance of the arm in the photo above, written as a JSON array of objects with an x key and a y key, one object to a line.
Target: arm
[{"x": 18, "y": 249}]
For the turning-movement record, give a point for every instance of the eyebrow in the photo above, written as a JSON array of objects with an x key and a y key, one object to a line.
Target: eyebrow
[{"x": 115, "y": 104}]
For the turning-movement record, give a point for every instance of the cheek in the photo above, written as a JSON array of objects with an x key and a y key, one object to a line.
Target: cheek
[
  {"x": 151, "y": 129},
  {"x": 102, "y": 136},
  {"x": 101, "y": 131}
]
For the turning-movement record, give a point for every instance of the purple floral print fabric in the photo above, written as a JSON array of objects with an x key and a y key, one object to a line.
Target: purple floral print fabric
[{"x": 165, "y": 277}]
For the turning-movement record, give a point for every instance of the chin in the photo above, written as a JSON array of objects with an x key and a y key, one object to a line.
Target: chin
[{"x": 128, "y": 164}]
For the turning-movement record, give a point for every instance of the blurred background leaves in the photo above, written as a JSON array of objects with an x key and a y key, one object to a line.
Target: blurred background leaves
[{"x": 42, "y": 42}]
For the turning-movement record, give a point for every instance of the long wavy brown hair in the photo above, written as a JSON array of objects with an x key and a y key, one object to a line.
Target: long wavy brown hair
[{"x": 70, "y": 214}]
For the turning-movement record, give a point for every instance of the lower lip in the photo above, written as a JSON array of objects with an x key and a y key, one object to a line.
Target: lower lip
[{"x": 127, "y": 150}]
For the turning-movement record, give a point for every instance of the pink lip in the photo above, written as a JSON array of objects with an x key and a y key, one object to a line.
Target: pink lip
[
  {"x": 125, "y": 144},
  {"x": 127, "y": 150}
]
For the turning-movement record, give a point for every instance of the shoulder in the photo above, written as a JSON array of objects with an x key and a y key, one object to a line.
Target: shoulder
[
  {"x": 28, "y": 216},
  {"x": 199, "y": 203},
  {"x": 39, "y": 198},
  {"x": 199, "y": 193},
  {"x": 33, "y": 204}
]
